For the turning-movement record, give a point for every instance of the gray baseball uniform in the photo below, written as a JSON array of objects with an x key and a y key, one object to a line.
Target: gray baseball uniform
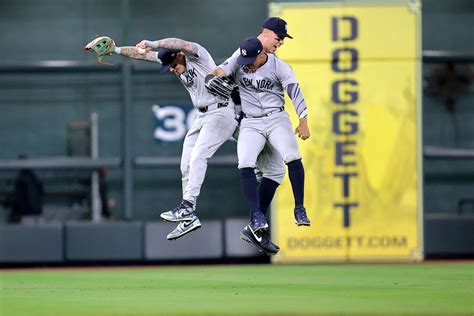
[
  {"x": 262, "y": 96},
  {"x": 269, "y": 162},
  {"x": 213, "y": 125}
]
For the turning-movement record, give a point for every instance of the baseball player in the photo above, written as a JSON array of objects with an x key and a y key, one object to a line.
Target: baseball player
[
  {"x": 262, "y": 79},
  {"x": 270, "y": 166},
  {"x": 214, "y": 124}
]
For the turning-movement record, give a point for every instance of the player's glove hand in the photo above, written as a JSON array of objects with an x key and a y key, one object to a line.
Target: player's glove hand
[
  {"x": 102, "y": 46},
  {"x": 220, "y": 87}
]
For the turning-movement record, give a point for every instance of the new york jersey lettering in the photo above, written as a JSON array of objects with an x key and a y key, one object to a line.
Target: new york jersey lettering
[
  {"x": 264, "y": 84},
  {"x": 246, "y": 82},
  {"x": 189, "y": 75},
  {"x": 261, "y": 84}
]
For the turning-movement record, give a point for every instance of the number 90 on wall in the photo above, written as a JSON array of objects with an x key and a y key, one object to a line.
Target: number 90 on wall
[{"x": 172, "y": 122}]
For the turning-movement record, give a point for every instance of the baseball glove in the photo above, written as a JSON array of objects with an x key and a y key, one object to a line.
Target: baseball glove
[
  {"x": 220, "y": 87},
  {"x": 102, "y": 46}
]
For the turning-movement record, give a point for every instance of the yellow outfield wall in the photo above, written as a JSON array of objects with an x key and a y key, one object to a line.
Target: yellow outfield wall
[{"x": 358, "y": 66}]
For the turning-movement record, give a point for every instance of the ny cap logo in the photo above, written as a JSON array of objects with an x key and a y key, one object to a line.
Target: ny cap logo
[
  {"x": 244, "y": 52},
  {"x": 286, "y": 27}
]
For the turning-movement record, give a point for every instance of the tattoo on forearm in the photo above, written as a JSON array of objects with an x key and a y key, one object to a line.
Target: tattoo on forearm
[
  {"x": 132, "y": 52},
  {"x": 178, "y": 44}
]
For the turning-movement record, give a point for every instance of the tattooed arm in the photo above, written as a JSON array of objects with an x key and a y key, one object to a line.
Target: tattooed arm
[
  {"x": 170, "y": 43},
  {"x": 136, "y": 53},
  {"x": 143, "y": 50}
]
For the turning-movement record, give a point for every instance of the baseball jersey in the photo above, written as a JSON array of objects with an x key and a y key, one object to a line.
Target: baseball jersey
[
  {"x": 262, "y": 91},
  {"x": 197, "y": 67}
]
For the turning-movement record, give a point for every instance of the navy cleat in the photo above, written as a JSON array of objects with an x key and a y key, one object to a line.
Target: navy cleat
[
  {"x": 244, "y": 237},
  {"x": 184, "y": 212},
  {"x": 259, "y": 239},
  {"x": 184, "y": 227},
  {"x": 301, "y": 219},
  {"x": 258, "y": 222}
]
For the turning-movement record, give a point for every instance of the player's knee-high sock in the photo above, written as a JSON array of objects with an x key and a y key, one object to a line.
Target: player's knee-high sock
[
  {"x": 296, "y": 174},
  {"x": 248, "y": 181},
  {"x": 266, "y": 191}
]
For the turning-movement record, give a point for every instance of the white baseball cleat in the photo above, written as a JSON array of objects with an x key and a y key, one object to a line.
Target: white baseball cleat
[
  {"x": 184, "y": 227},
  {"x": 184, "y": 212}
]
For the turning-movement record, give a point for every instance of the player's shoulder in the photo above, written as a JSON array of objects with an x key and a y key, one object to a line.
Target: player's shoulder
[
  {"x": 202, "y": 52},
  {"x": 236, "y": 53},
  {"x": 199, "y": 48},
  {"x": 231, "y": 61},
  {"x": 277, "y": 61}
]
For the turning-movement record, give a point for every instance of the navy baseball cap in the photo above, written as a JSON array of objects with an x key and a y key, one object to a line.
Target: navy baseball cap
[
  {"x": 166, "y": 56},
  {"x": 278, "y": 26},
  {"x": 249, "y": 50}
]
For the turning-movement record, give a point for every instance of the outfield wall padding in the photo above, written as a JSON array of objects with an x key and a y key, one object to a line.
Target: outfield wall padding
[
  {"x": 204, "y": 243},
  {"x": 39, "y": 243},
  {"x": 449, "y": 235},
  {"x": 108, "y": 241}
]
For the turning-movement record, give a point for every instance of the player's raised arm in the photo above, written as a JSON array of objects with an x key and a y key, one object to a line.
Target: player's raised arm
[
  {"x": 294, "y": 92},
  {"x": 218, "y": 82},
  {"x": 105, "y": 45},
  {"x": 170, "y": 43},
  {"x": 137, "y": 53},
  {"x": 228, "y": 67}
]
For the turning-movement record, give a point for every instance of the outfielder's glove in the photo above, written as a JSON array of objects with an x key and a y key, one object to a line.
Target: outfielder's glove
[
  {"x": 102, "y": 46},
  {"x": 221, "y": 87}
]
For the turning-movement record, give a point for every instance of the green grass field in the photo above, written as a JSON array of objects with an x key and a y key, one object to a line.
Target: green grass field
[{"x": 358, "y": 289}]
